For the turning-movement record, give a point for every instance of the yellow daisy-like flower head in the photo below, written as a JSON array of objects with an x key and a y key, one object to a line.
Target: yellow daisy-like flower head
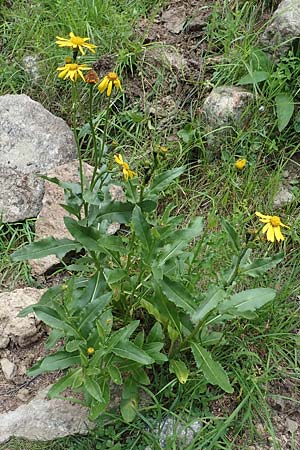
[
  {"x": 125, "y": 167},
  {"x": 72, "y": 71},
  {"x": 110, "y": 80},
  {"x": 272, "y": 227},
  {"x": 240, "y": 164},
  {"x": 76, "y": 43},
  {"x": 90, "y": 350}
]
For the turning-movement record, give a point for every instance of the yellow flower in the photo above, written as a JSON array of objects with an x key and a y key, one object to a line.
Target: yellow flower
[
  {"x": 240, "y": 164},
  {"x": 125, "y": 167},
  {"x": 110, "y": 80},
  {"x": 91, "y": 350},
  {"x": 76, "y": 42},
  {"x": 272, "y": 227},
  {"x": 163, "y": 149},
  {"x": 72, "y": 71}
]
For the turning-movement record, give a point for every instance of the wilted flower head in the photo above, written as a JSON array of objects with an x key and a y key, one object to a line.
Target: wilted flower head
[
  {"x": 76, "y": 43},
  {"x": 110, "y": 80},
  {"x": 72, "y": 71},
  {"x": 272, "y": 227},
  {"x": 240, "y": 164},
  {"x": 125, "y": 167},
  {"x": 91, "y": 77}
]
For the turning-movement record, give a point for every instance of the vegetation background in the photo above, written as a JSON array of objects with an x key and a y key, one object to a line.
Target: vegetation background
[{"x": 261, "y": 355}]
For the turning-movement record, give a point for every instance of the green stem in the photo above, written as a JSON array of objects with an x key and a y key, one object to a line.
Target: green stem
[
  {"x": 91, "y": 98},
  {"x": 98, "y": 158},
  {"x": 236, "y": 267},
  {"x": 74, "y": 113}
]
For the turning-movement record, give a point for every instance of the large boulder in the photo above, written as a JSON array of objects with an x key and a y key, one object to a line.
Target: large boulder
[
  {"x": 284, "y": 28},
  {"x": 44, "y": 420},
  {"x": 20, "y": 331},
  {"x": 224, "y": 110},
  {"x": 32, "y": 141}
]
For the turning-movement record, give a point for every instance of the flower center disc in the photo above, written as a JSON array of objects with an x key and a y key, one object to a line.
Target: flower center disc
[
  {"x": 275, "y": 221},
  {"x": 73, "y": 66},
  {"x": 77, "y": 40},
  {"x": 112, "y": 76}
]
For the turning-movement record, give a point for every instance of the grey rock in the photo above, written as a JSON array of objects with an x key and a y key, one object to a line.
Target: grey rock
[
  {"x": 9, "y": 369},
  {"x": 21, "y": 194},
  {"x": 44, "y": 420},
  {"x": 184, "y": 433},
  {"x": 291, "y": 425},
  {"x": 196, "y": 23},
  {"x": 283, "y": 28},
  {"x": 283, "y": 197},
  {"x": 167, "y": 57},
  {"x": 32, "y": 141},
  {"x": 50, "y": 221},
  {"x": 20, "y": 330},
  {"x": 174, "y": 18},
  {"x": 225, "y": 109}
]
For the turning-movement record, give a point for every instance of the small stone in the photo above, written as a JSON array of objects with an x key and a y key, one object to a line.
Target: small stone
[
  {"x": 283, "y": 197},
  {"x": 117, "y": 193},
  {"x": 9, "y": 369},
  {"x": 23, "y": 395},
  {"x": 174, "y": 19},
  {"x": 30, "y": 63},
  {"x": 291, "y": 425},
  {"x": 196, "y": 23}
]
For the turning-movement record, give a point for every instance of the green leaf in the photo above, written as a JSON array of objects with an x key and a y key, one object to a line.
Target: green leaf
[
  {"x": 181, "y": 371},
  {"x": 128, "y": 409},
  {"x": 248, "y": 300},
  {"x": 193, "y": 230},
  {"x": 261, "y": 266},
  {"x": 115, "y": 211},
  {"x": 130, "y": 351},
  {"x": 45, "y": 247},
  {"x": 113, "y": 276},
  {"x": 93, "y": 389},
  {"x": 50, "y": 317},
  {"x": 115, "y": 374},
  {"x": 156, "y": 333},
  {"x": 91, "y": 313},
  {"x": 74, "y": 345},
  {"x": 232, "y": 235},
  {"x": 59, "y": 361},
  {"x": 214, "y": 296},
  {"x": 87, "y": 236},
  {"x": 212, "y": 370},
  {"x": 123, "y": 334},
  {"x": 284, "y": 109},
  {"x": 140, "y": 376},
  {"x": 170, "y": 312},
  {"x": 163, "y": 180},
  {"x": 64, "y": 382},
  {"x": 254, "y": 77},
  {"x": 142, "y": 229},
  {"x": 178, "y": 294}
]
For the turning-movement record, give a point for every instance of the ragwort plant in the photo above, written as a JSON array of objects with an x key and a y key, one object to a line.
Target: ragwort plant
[{"x": 133, "y": 302}]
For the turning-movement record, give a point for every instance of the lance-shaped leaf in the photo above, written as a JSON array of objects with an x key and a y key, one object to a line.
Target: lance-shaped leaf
[
  {"x": 261, "y": 266},
  {"x": 178, "y": 294},
  {"x": 65, "y": 382},
  {"x": 248, "y": 300},
  {"x": 58, "y": 361},
  {"x": 212, "y": 370},
  {"x": 214, "y": 296},
  {"x": 142, "y": 229},
  {"x": 181, "y": 371},
  {"x": 284, "y": 108},
  {"x": 50, "y": 317},
  {"x": 130, "y": 351},
  {"x": 163, "y": 180},
  {"x": 232, "y": 234},
  {"x": 87, "y": 236},
  {"x": 93, "y": 388},
  {"x": 45, "y": 247},
  {"x": 91, "y": 312},
  {"x": 194, "y": 229}
]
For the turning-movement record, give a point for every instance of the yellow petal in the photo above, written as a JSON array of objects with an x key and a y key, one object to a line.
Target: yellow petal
[
  {"x": 71, "y": 34},
  {"x": 271, "y": 234},
  {"x": 119, "y": 159},
  {"x": 125, "y": 173},
  {"x": 103, "y": 85},
  {"x": 81, "y": 74},
  {"x": 81, "y": 50},
  {"x": 265, "y": 228},
  {"x": 278, "y": 235},
  {"x": 117, "y": 83},
  {"x": 109, "y": 88},
  {"x": 262, "y": 216}
]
